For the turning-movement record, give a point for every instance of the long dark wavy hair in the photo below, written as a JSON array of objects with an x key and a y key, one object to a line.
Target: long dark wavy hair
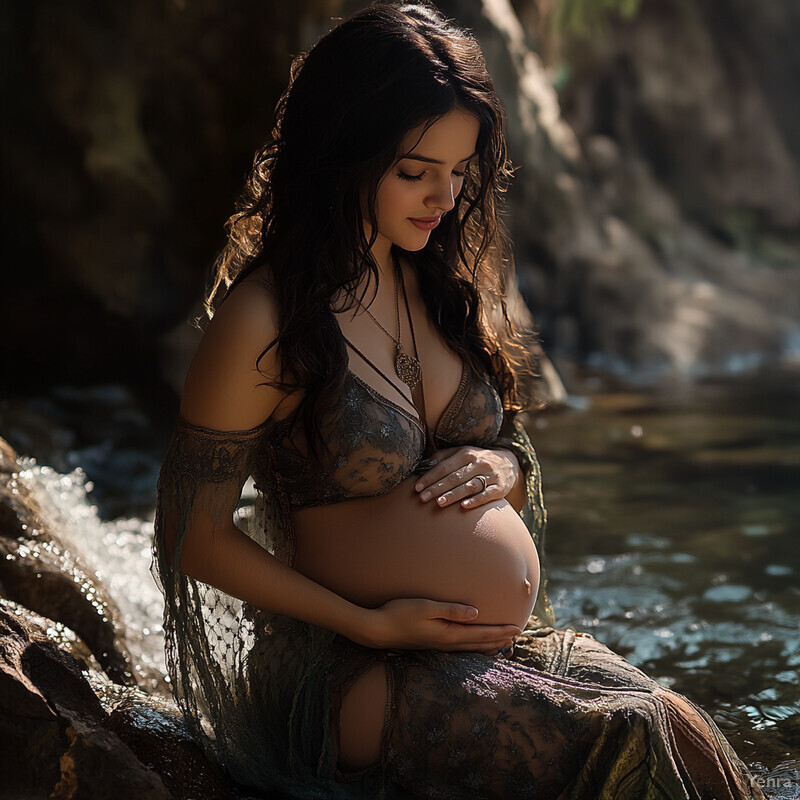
[{"x": 350, "y": 101}]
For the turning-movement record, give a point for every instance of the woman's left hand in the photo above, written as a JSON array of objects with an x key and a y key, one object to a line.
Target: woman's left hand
[{"x": 455, "y": 477}]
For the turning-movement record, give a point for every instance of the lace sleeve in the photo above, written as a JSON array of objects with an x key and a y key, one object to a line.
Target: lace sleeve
[
  {"x": 208, "y": 634},
  {"x": 514, "y": 437},
  {"x": 202, "y": 477}
]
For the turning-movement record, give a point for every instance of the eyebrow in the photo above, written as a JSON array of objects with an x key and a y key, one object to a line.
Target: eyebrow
[{"x": 432, "y": 160}]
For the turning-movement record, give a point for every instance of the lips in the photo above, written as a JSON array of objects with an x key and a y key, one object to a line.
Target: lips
[{"x": 425, "y": 223}]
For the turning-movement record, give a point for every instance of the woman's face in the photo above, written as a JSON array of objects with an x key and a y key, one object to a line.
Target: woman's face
[{"x": 423, "y": 183}]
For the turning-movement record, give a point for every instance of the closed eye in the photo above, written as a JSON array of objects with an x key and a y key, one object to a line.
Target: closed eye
[{"x": 407, "y": 177}]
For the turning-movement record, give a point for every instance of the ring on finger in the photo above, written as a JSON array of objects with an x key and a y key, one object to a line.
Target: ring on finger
[{"x": 484, "y": 482}]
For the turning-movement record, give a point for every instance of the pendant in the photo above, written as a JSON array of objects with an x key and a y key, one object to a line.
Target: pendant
[{"x": 408, "y": 368}]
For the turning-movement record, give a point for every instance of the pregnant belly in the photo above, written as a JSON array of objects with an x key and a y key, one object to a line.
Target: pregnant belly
[{"x": 371, "y": 550}]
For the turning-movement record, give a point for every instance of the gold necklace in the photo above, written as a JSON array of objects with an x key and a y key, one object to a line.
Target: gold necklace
[{"x": 407, "y": 367}]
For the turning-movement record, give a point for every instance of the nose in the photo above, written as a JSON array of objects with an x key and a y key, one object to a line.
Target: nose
[{"x": 442, "y": 196}]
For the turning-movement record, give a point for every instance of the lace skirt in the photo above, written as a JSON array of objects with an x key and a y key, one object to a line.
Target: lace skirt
[{"x": 561, "y": 717}]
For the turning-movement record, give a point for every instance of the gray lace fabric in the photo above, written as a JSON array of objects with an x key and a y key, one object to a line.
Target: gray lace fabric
[
  {"x": 375, "y": 443},
  {"x": 561, "y": 717}
]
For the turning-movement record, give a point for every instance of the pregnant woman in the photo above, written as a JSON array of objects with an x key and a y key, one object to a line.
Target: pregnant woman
[{"x": 379, "y": 625}]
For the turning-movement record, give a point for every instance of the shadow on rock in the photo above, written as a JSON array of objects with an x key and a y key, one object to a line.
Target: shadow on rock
[{"x": 57, "y": 714}]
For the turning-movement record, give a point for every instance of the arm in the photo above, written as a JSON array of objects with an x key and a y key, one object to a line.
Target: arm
[
  {"x": 226, "y": 558},
  {"x": 222, "y": 408},
  {"x": 516, "y": 494}
]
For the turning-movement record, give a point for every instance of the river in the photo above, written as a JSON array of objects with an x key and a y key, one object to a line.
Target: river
[{"x": 673, "y": 537}]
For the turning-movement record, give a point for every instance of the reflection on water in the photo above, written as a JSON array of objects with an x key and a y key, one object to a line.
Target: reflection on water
[
  {"x": 673, "y": 538},
  {"x": 672, "y": 535}
]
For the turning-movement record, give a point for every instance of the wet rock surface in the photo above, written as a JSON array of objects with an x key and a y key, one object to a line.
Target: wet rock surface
[
  {"x": 82, "y": 735},
  {"x": 155, "y": 733},
  {"x": 48, "y": 709}
]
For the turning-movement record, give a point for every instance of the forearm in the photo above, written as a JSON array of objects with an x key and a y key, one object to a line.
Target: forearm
[
  {"x": 517, "y": 496},
  {"x": 514, "y": 440},
  {"x": 232, "y": 562}
]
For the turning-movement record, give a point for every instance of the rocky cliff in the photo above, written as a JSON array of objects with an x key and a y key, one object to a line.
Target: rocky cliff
[{"x": 655, "y": 212}]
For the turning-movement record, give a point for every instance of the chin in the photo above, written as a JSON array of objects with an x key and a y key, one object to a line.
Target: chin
[{"x": 412, "y": 243}]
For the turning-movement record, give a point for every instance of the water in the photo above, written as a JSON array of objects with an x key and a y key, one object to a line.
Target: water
[
  {"x": 672, "y": 535},
  {"x": 117, "y": 553}
]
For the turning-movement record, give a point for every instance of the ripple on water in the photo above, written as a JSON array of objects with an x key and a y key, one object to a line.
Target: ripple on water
[
  {"x": 778, "y": 570},
  {"x": 728, "y": 593}
]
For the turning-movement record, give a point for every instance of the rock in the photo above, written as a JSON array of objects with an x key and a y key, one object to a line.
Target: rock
[
  {"x": 677, "y": 251},
  {"x": 97, "y": 764},
  {"x": 155, "y": 732},
  {"x": 684, "y": 89},
  {"x": 539, "y": 140},
  {"x": 58, "y": 634},
  {"x": 117, "y": 112},
  {"x": 50, "y": 712},
  {"x": 63, "y": 702},
  {"x": 678, "y": 121},
  {"x": 84, "y": 737}
]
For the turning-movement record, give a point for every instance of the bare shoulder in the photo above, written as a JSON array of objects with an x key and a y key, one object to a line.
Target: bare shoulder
[
  {"x": 223, "y": 389},
  {"x": 249, "y": 316}
]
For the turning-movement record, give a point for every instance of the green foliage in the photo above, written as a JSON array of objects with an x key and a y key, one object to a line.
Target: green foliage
[{"x": 588, "y": 16}]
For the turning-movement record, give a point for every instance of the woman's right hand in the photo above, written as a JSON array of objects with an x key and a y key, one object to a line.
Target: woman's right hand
[{"x": 414, "y": 623}]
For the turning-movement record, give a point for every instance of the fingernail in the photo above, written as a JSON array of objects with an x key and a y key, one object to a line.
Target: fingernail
[
  {"x": 418, "y": 487},
  {"x": 441, "y": 500},
  {"x": 425, "y": 496}
]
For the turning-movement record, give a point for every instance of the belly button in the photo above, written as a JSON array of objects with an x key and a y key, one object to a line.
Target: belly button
[{"x": 528, "y": 586}]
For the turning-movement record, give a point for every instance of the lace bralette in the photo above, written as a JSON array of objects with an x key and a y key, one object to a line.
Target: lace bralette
[{"x": 375, "y": 443}]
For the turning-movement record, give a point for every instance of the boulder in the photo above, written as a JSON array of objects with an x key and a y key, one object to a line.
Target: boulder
[
  {"x": 50, "y": 713},
  {"x": 154, "y": 730},
  {"x": 82, "y": 736},
  {"x": 661, "y": 235}
]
